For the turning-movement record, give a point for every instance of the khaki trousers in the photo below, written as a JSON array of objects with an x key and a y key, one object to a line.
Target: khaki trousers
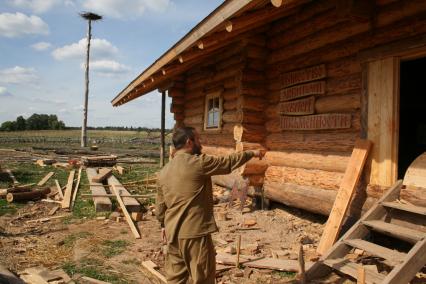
[{"x": 194, "y": 258}]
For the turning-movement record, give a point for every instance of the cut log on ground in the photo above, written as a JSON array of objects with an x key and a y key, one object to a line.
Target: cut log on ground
[
  {"x": 27, "y": 196},
  {"x": 99, "y": 161},
  {"x": 129, "y": 220},
  {"x": 131, "y": 204},
  {"x": 103, "y": 174},
  {"x": 66, "y": 202},
  {"x": 45, "y": 179},
  {"x": 101, "y": 203}
]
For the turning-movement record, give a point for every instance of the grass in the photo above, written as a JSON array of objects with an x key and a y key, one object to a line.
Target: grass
[
  {"x": 113, "y": 247},
  {"x": 8, "y": 208},
  {"x": 77, "y": 133},
  {"x": 285, "y": 274},
  {"x": 70, "y": 240},
  {"x": 93, "y": 268}
]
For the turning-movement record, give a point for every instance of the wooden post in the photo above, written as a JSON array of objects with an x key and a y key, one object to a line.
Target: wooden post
[
  {"x": 163, "y": 117},
  {"x": 237, "y": 264},
  {"x": 86, "y": 90}
]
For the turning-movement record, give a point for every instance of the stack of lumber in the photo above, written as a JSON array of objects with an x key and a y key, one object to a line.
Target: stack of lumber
[
  {"x": 99, "y": 161},
  {"x": 101, "y": 203}
]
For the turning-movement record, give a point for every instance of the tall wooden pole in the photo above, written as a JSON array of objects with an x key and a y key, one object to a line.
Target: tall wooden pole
[
  {"x": 86, "y": 92},
  {"x": 163, "y": 118}
]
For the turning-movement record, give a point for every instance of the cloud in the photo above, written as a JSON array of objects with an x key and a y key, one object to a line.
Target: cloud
[
  {"x": 37, "y": 6},
  {"x": 123, "y": 8},
  {"x": 18, "y": 24},
  {"x": 47, "y": 101},
  {"x": 4, "y": 92},
  {"x": 107, "y": 67},
  {"x": 40, "y": 46},
  {"x": 99, "y": 48},
  {"x": 18, "y": 75}
]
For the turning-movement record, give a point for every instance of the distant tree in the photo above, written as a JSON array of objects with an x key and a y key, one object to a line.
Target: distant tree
[
  {"x": 8, "y": 126},
  {"x": 20, "y": 123}
]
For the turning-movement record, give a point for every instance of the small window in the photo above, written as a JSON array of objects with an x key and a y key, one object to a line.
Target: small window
[{"x": 213, "y": 111}]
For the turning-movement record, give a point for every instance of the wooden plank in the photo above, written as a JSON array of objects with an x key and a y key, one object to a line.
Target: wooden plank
[
  {"x": 53, "y": 210},
  {"x": 162, "y": 130},
  {"x": 344, "y": 195},
  {"x": 361, "y": 275},
  {"x": 304, "y": 90},
  {"x": 92, "y": 280},
  {"x": 304, "y": 75},
  {"x": 66, "y": 202},
  {"x": 151, "y": 267},
  {"x": 58, "y": 186},
  {"x": 132, "y": 205},
  {"x": 383, "y": 120},
  {"x": 74, "y": 195},
  {"x": 122, "y": 195},
  {"x": 103, "y": 174},
  {"x": 129, "y": 220},
  {"x": 403, "y": 233},
  {"x": 406, "y": 271},
  {"x": 349, "y": 268},
  {"x": 101, "y": 203},
  {"x": 416, "y": 172},
  {"x": 45, "y": 179},
  {"x": 298, "y": 107},
  {"x": 316, "y": 122},
  {"x": 406, "y": 207},
  {"x": 392, "y": 257}
]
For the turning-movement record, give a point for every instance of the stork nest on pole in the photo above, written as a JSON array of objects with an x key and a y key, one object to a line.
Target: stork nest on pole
[{"x": 90, "y": 16}]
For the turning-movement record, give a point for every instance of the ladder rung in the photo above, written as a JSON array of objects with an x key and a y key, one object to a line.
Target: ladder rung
[
  {"x": 402, "y": 233},
  {"x": 405, "y": 207},
  {"x": 392, "y": 257},
  {"x": 347, "y": 267}
]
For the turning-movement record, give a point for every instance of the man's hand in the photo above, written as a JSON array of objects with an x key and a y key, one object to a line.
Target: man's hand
[
  {"x": 163, "y": 236},
  {"x": 259, "y": 153}
]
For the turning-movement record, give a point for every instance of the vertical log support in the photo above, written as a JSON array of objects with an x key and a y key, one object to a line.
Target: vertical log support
[
  {"x": 177, "y": 92},
  {"x": 163, "y": 118}
]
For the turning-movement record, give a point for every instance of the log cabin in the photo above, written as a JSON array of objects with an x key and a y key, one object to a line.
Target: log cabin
[{"x": 304, "y": 80}]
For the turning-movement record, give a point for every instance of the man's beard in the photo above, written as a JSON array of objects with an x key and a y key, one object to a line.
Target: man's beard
[{"x": 196, "y": 150}]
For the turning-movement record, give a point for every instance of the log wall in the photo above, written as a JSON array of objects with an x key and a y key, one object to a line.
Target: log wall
[{"x": 323, "y": 36}]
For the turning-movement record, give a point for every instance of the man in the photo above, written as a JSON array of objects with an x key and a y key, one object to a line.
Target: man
[{"x": 185, "y": 207}]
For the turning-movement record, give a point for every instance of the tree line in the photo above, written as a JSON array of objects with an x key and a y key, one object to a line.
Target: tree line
[{"x": 34, "y": 122}]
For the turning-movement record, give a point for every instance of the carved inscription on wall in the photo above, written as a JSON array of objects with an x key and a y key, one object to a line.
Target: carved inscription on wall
[
  {"x": 303, "y": 90},
  {"x": 298, "y": 107},
  {"x": 301, "y": 76},
  {"x": 315, "y": 122}
]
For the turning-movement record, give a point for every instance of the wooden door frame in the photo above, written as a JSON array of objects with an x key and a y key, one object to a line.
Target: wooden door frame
[{"x": 394, "y": 54}]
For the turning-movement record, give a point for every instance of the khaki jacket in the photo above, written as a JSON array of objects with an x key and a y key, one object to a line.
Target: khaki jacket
[{"x": 184, "y": 204}]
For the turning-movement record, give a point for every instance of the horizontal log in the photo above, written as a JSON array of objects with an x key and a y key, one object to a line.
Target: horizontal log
[
  {"x": 230, "y": 94},
  {"x": 217, "y": 140},
  {"x": 174, "y": 108},
  {"x": 178, "y": 100},
  {"x": 253, "y": 167},
  {"x": 240, "y": 116},
  {"x": 254, "y": 89},
  {"x": 218, "y": 151},
  {"x": 316, "y": 178},
  {"x": 245, "y": 146},
  {"x": 256, "y": 52},
  {"x": 251, "y": 103},
  {"x": 228, "y": 181},
  {"x": 197, "y": 119},
  {"x": 339, "y": 85},
  {"x": 178, "y": 116},
  {"x": 335, "y": 140},
  {"x": 230, "y": 104},
  {"x": 312, "y": 199},
  {"x": 174, "y": 93},
  {"x": 28, "y": 195},
  {"x": 338, "y": 103},
  {"x": 325, "y": 161},
  {"x": 249, "y": 133}
]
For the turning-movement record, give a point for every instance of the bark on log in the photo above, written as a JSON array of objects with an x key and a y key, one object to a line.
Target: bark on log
[
  {"x": 325, "y": 161},
  {"x": 249, "y": 133},
  {"x": 240, "y": 116},
  {"x": 27, "y": 196},
  {"x": 316, "y": 178}
]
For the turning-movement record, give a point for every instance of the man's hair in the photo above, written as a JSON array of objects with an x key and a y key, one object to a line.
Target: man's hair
[{"x": 181, "y": 134}]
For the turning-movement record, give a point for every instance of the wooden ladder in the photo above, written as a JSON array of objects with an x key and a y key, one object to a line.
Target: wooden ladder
[{"x": 404, "y": 265}]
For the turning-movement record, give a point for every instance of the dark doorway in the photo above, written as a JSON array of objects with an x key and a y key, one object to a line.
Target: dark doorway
[{"x": 412, "y": 124}]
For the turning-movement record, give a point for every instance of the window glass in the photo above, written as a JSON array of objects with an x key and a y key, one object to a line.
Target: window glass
[{"x": 213, "y": 112}]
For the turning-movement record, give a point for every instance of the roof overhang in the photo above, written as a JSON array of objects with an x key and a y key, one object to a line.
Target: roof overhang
[{"x": 221, "y": 27}]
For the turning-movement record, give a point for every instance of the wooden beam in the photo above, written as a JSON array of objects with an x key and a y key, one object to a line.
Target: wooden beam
[
  {"x": 61, "y": 194},
  {"x": 66, "y": 202},
  {"x": 344, "y": 195},
  {"x": 151, "y": 267},
  {"x": 131, "y": 204},
  {"x": 101, "y": 203},
  {"x": 77, "y": 184},
  {"x": 45, "y": 179},
  {"x": 162, "y": 135},
  {"x": 103, "y": 174},
  {"x": 129, "y": 220}
]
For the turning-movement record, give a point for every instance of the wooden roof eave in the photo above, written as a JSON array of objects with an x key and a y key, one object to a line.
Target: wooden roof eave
[{"x": 223, "y": 12}]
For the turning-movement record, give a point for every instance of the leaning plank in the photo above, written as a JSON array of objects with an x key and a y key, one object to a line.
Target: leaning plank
[
  {"x": 66, "y": 202},
  {"x": 151, "y": 267},
  {"x": 77, "y": 184},
  {"x": 103, "y": 174},
  {"x": 101, "y": 203},
  {"x": 45, "y": 179},
  {"x": 131, "y": 203},
  {"x": 126, "y": 214},
  {"x": 59, "y": 189},
  {"x": 344, "y": 195}
]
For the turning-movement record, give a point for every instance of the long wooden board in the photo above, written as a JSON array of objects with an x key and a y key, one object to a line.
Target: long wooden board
[
  {"x": 316, "y": 122},
  {"x": 45, "y": 179},
  {"x": 101, "y": 203},
  {"x": 129, "y": 219},
  {"x": 132, "y": 205},
  {"x": 77, "y": 184},
  {"x": 344, "y": 195},
  {"x": 66, "y": 202},
  {"x": 58, "y": 186}
]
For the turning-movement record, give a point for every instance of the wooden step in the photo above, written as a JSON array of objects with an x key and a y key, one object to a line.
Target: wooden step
[
  {"x": 392, "y": 257},
  {"x": 405, "y": 207},
  {"x": 347, "y": 267},
  {"x": 402, "y": 233}
]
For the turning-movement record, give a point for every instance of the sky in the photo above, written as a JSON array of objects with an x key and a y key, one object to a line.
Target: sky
[{"x": 42, "y": 53}]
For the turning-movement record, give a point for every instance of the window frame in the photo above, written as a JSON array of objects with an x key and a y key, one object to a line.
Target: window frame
[{"x": 208, "y": 97}]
